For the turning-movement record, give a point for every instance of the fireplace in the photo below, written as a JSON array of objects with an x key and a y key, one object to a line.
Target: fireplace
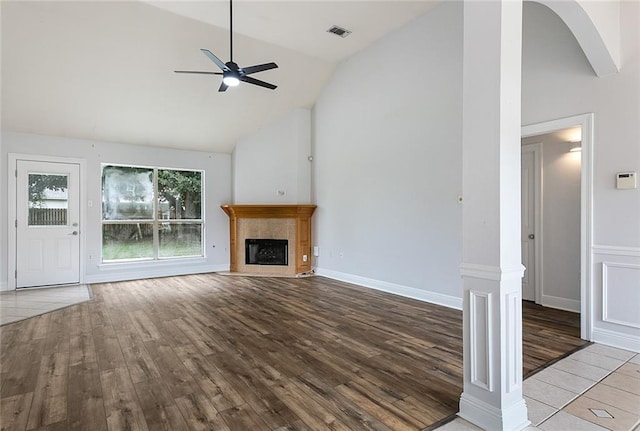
[
  {"x": 266, "y": 251},
  {"x": 272, "y": 223}
]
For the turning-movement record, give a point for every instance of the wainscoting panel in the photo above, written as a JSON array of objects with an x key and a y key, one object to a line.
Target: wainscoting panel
[
  {"x": 616, "y": 296},
  {"x": 481, "y": 339},
  {"x": 514, "y": 337},
  {"x": 621, "y": 294}
]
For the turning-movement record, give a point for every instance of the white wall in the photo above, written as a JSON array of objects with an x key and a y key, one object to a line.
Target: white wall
[
  {"x": 3, "y": 218},
  {"x": 217, "y": 186},
  {"x": 274, "y": 160},
  {"x": 558, "y": 82},
  {"x": 560, "y": 221},
  {"x": 387, "y": 162}
]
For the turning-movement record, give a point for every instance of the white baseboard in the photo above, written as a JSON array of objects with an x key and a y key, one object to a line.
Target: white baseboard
[
  {"x": 397, "y": 289},
  {"x": 111, "y": 276},
  {"x": 616, "y": 339},
  {"x": 561, "y": 303},
  {"x": 220, "y": 268},
  {"x": 4, "y": 286},
  {"x": 479, "y": 412}
]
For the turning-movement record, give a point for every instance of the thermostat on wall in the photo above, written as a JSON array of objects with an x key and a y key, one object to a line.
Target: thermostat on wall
[{"x": 626, "y": 180}]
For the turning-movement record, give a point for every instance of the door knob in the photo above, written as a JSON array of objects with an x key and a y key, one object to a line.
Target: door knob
[
  {"x": 75, "y": 232},
  {"x": 531, "y": 236}
]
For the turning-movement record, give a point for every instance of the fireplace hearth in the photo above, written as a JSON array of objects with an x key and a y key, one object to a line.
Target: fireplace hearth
[{"x": 266, "y": 251}]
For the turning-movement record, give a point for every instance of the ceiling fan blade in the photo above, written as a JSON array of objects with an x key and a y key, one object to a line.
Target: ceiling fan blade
[
  {"x": 223, "y": 87},
  {"x": 215, "y": 59},
  {"x": 254, "y": 81},
  {"x": 258, "y": 68},
  {"x": 196, "y": 71}
]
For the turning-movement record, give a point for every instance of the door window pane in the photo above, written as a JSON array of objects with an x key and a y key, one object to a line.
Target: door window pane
[
  {"x": 127, "y": 193},
  {"x": 179, "y": 240},
  {"x": 48, "y": 200},
  {"x": 127, "y": 241}
]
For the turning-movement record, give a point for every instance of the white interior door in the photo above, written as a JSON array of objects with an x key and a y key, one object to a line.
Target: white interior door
[
  {"x": 47, "y": 223},
  {"x": 528, "y": 225}
]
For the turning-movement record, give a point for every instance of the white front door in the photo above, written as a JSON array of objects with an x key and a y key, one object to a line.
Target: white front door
[
  {"x": 528, "y": 225},
  {"x": 47, "y": 223}
]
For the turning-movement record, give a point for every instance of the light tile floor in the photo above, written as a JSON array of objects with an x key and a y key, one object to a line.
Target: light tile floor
[
  {"x": 594, "y": 389},
  {"x": 25, "y": 303}
]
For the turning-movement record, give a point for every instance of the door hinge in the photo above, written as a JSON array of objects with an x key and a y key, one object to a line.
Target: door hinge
[
  {"x": 16, "y": 274},
  {"x": 16, "y": 222},
  {"x": 16, "y": 173}
]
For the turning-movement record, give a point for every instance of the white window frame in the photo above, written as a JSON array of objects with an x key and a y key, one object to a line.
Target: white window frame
[{"x": 155, "y": 221}]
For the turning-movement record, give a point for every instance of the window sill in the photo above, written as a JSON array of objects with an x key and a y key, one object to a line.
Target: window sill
[{"x": 168, "y": 262}]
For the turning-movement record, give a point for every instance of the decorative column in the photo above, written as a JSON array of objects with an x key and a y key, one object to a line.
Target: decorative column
[{"x": 491, "y": 268}]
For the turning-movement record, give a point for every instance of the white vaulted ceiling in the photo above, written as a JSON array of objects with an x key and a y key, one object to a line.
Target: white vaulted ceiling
[{"x": 104, "y": 70}]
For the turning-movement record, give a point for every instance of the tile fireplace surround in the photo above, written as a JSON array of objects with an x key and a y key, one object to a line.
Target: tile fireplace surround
[{"x": 290, "y": 222}]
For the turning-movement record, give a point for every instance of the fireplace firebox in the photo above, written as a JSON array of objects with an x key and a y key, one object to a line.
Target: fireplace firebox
[{"x": 266, "y": 251}]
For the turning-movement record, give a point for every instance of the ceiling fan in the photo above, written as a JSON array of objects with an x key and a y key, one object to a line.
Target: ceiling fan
[{"x": 231, "y": 73}]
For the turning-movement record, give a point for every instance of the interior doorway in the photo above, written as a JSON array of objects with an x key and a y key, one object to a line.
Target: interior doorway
[
  {"x": 562, "y": 215},
  {"x": 550, "y": 172}
]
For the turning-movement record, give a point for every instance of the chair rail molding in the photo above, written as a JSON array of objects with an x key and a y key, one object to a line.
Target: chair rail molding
[{"x": 613, "y": 250}]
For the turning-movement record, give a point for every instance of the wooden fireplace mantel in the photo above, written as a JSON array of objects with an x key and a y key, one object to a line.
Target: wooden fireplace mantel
[{"x": 301, "y": 244}]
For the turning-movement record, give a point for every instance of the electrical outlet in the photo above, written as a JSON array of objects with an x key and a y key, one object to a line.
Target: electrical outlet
[{"x": 304, "y": 258}]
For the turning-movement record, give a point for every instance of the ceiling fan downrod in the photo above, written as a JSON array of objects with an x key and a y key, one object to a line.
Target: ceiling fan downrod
[
  {"x": 232, "y": 74},
  {"x": 231, "y": 31}
]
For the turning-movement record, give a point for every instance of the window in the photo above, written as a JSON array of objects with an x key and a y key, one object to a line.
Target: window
[
  {"x": 150, "y": 213},
  {"x": 48, "y": 200}
]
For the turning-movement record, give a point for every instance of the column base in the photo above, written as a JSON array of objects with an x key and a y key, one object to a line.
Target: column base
[{"x": 488, "y": 417}]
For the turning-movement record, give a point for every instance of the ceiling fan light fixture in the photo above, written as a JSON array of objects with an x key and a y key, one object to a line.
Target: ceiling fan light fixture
[{"x": 230, "y": 80}]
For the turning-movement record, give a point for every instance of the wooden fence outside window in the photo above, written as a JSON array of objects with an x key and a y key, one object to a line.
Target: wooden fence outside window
[{"x": 47, "y": 216}]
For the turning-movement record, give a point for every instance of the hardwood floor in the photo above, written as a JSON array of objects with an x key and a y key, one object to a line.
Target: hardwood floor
[
  {"x": 547, "y": 333},
  {"x": 211, "y": 352}
]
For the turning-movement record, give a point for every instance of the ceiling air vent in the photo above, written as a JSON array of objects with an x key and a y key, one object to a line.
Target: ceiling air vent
[{"x": 342, "y": 32}]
